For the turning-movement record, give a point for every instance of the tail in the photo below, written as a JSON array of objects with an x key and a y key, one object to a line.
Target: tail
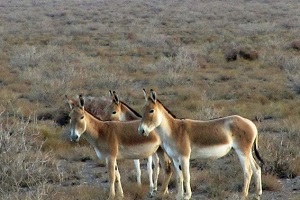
[{"x": 256, "y": 150}]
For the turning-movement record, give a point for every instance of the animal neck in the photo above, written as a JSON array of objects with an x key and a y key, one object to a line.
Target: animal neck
[
  {"x": 128, "y": 114},
  {"x": 93, "y": 125},
  {"x": 167, "y": 123}
]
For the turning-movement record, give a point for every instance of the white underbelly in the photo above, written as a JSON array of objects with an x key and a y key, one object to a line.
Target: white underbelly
[
  {"x": 171, "y": 151},
  {"x": 212, "y": 152},
  {"x": 137, "y": 151}
]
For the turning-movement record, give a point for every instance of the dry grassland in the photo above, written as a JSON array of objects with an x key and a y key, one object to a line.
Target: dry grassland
[{"x": 205, "y": 59}]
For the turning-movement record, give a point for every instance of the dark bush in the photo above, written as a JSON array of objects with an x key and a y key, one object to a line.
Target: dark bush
[
  {"x": 296, "y": 45},
  {"x": 248, "y": 54},
  {"x": 231, "y": 55}
]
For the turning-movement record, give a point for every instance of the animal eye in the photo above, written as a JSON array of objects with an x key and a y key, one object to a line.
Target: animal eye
[
  {"x": 151, "y": 111},
  {"x": 114, "y": 112},
  {"x": 81, "y": 117}
]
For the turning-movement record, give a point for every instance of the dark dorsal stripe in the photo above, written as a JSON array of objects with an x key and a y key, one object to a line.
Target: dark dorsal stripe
[
  {"x": 131, "y": 109},
  {"x": 91, "y": 114},
  {"x": 174, "y": 116}
]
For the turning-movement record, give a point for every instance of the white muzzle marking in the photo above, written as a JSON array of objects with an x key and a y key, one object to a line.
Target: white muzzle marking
[
  {"x": 143, "y": 130},
  {"x": 74, "y": 136}
]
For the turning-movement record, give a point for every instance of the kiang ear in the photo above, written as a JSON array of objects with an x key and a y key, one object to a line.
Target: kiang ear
[
  {"x": 71, "y": 102},
  {"x": 116, "y": 98},
  {"x": 81, "y": 101},
  {"x": 145, "y": 94},
  {"x": 111, "y": 94},
  {"x": 153, "y": 96}
]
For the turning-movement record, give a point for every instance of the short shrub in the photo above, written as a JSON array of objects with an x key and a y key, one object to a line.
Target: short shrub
[{"x": 23, "y": 165}]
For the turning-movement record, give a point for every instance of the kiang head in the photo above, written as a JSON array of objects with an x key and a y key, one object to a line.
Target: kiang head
[
  {"x": 113, "y": 111},
  {"x": 151, "y": 114},
  {"x": 77, "y": 118}
]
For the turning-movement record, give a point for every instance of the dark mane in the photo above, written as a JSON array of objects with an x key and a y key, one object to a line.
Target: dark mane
[
  {"x": 131, "y": 109},
  {"x": 174, "y": 116},
  {"x": 89, "y": 112}
]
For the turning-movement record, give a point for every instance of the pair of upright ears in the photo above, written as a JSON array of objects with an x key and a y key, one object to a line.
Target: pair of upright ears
[
  {"x": 73, "y": 103},
  {"x": 116, "y": 100},
  {"x": 152, "y": 95},
  {"x": 114, "y": 96}
]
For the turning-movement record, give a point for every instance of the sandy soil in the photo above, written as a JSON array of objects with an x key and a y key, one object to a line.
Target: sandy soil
[{"x": 290, "y": 187}]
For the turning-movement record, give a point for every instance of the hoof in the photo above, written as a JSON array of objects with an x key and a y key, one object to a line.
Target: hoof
[{"x": 152, "y": 194}]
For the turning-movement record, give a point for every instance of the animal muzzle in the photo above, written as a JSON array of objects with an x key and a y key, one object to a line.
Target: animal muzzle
[
  {"x": 74, "y": 137},
  {"x": 142, "y": 131}
]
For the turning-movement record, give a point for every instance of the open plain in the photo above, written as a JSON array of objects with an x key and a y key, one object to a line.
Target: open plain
[{"x": 205, "y": 59}]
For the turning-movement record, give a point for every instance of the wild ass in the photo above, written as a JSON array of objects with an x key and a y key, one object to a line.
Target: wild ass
[
  {"x": 120, "y": 111},
  {"x": 185, "y": 139},
  {"x": 111, "y": 140},
  {"x": 94, "y": 105}
]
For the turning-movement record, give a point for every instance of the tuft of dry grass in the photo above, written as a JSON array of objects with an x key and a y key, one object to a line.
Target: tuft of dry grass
[
  {"x": 291, "y": 67},
  {"x": 270, "y": 183},
  {"x": 133, "y": 191},
  {"x": 80, "y": 192},
  {"x": 282, "y": 153},
  {"x": 23, "y": 165},
  {"x": 216, "y": 179}
]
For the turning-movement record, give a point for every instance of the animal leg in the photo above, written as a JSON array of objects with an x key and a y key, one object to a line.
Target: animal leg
[
  {"x": 179, "y": 177},
  {"x": 165, "y": 162},
  {"x": 245, "y": 162},
  {"x": 111, "y": 176},
  {"x": 118, "y": 181},
  {"x": 155, "y": 160},
  {"x": 257, "y": 175},
  {"x": 138, "y": 171},
  {"x": 150, "y": 174},
  {"x": 185, "y": 166}
]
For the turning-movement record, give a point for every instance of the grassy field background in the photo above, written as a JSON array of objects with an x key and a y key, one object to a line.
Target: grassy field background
[{"x": 205, "y": 59}]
